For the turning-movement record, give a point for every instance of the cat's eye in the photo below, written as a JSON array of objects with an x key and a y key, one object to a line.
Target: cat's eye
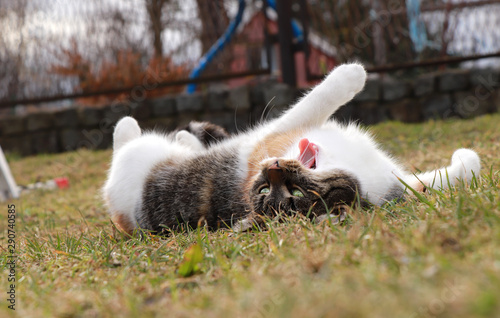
[
  {"x": 297, "y": 193},
  {"x": 264, "y": 190}
]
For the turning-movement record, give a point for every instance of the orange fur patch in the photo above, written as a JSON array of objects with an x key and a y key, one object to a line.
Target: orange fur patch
[
  {"x": 206, "y": 194},
  {"x": 123, "y": 223},
  {"x": 274, "y": 145},
  {"x": 417, "y": 185},
  {"x": 420, "y": 187}
]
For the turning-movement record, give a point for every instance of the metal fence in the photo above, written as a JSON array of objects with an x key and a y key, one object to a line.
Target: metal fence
[
  {"x": 396, "y": 34},
  {"x": 56, "y": 49},
  {"x": 65, "y": 50}
]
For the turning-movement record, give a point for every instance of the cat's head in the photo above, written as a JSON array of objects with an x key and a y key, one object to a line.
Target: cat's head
[{"x": 294, "y": 186}]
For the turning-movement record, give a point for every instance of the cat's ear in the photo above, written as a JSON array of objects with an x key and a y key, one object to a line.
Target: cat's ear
[{"x": 126, "y": 130}]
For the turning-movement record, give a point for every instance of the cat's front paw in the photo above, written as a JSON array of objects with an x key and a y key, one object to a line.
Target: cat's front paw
[
  {"x": 352, "y": 77},
  {"x": 253, "y": 220}
]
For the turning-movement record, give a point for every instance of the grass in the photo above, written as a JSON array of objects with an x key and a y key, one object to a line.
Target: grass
[{"x": 439, "y": 257}]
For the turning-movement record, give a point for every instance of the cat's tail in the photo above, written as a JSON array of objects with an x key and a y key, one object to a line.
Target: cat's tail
[
  {"x": 465, "y": 165},
  {"x": 126, "y": 130}
]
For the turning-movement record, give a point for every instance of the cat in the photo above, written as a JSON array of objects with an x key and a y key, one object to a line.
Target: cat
[{"x": 300, "y": 162}]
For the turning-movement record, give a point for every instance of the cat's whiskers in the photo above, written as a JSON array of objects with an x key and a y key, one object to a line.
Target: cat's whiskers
[
  {"x": 265, "y": 108},
  {"x": 206, "y": 131},
  {"x": 301, "y": 156},
  {"x": 238, "y": 131}
]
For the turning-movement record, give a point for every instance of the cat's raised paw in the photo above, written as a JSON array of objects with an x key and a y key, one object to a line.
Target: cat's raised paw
[{"x": 351, "y": 76}]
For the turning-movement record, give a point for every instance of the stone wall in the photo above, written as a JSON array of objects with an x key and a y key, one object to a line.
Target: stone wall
[
  {"x": 444, "y": 95},
  {"x": 458, "y": 93}
]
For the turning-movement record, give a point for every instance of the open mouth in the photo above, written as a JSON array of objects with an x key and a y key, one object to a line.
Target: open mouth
[{"x": 308, "y": 155}]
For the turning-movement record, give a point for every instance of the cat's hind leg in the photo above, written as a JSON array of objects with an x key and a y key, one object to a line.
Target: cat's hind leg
[
  {"x": 465, "y": 165},
  {"x": 187, "y": 139},
  {"x": 126, "y": 130}
]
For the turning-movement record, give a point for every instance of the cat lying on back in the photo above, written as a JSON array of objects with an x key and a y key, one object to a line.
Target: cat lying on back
[{"x": 297, "y": 163}]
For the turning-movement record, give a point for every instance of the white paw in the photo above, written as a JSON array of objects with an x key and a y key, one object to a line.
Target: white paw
[
  {"x": 187, "y": 139},
  {"x": 335, "y": 219},
  {"x": 351, "y": 77},
  {"x": 243, "y": 225},
  {"x": 468, "y": 160},
  {"x": 126, "y": 129}
]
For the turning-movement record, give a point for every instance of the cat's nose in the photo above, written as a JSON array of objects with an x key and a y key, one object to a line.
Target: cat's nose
[
  {"x": 275, "y": 173},
  {"x": 275, "y": 165}
]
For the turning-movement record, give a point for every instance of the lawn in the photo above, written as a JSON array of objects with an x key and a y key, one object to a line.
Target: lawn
[{"x": 435, "y": 257}]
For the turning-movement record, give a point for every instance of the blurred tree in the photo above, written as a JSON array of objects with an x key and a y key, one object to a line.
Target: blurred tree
[
  {"x": 123, "y": 57},
  {"x": 13, "y": 48},
  {"x": 52, "y": 47},
  {"x": 214, "y": 21},
  {"x": 126, "y": 71},
  {"x": 154, "y": 9},
  {"x": 374, "y": 31}
]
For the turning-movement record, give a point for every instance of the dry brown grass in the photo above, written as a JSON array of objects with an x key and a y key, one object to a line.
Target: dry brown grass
[{"x": 439, "y": 258}]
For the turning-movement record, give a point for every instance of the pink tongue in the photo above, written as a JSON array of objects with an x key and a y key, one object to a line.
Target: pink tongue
[{"x": 308, "y": 153}]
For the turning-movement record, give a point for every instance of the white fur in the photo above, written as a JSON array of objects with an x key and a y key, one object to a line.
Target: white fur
[
  {"x": 132, "y": 162},
  {"x": 351, "y": 149},
  {"x": 465, "y": 165},
  {"x": 185, "y": 138},
  {"x": 126, "y": 130},
  {"x": 338, "y": 88}
]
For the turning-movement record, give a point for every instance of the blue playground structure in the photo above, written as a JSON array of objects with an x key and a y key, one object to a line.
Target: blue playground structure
[{"x": 226, "y": 37}]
